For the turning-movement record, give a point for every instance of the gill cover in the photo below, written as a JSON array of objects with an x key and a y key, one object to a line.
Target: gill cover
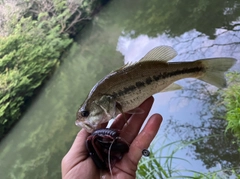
[
  {"x": 108, "y": 104},
  {"x": 99, "y": 111}
]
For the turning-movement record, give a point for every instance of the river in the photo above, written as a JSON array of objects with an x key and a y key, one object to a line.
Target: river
[{"x": 123, "y": 32}]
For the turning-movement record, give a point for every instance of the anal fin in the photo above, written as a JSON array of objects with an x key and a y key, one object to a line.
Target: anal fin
[{"x": 172, "y": 87}]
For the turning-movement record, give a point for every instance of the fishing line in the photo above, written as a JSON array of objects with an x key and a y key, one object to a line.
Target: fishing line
[
  {"x": 124, "y": 140},
  {"x": 109, "y": 158},
  {"x": 109, "y": 154}
]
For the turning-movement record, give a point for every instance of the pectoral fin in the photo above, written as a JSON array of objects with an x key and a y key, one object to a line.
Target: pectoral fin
[
  {"x": 119, "y": 107},
  {"x": 133, "y": 111}
]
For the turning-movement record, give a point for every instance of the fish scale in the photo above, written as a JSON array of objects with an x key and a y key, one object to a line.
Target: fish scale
[{"x": 125, "y": 89}]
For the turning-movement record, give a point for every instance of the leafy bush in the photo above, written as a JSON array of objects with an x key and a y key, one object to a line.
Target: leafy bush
[
  {"x": 232, "y": 102},
  {"x": 27, "y": 57},
  {"x": 33, "y": 36}
]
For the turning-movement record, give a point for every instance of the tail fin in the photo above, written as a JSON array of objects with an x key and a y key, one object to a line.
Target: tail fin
[{"x": 215, "y": 68}]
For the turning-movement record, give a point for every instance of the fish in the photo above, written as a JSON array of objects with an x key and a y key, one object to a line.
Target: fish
[{"x": 124, "y": 89}]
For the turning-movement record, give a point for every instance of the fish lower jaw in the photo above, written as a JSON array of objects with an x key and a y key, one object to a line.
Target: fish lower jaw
[
  {"x": 93, "y": 123},
  {"x": 87, "y": 127}
]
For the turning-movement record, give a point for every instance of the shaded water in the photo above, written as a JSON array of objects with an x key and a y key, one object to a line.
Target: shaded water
[{"x": 36, "y": 145}]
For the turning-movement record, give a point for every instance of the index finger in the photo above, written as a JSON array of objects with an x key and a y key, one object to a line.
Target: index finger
[
  {"x": 131, "y": 129},
  {"x": 145, "y": 137}
]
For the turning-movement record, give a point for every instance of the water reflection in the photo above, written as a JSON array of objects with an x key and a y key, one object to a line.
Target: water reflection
[
  {"x": 178, "y": 17},
  {"x": 36, "y": 145},
  {"x": 195, "y": 112},
  {"x": 190, "y": 46},
  {"x": 191, "y": 123},
  {"x": 217, "y": 147}
]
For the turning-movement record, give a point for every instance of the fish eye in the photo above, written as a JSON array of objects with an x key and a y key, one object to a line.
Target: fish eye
[{"x": 84, "y": 113}]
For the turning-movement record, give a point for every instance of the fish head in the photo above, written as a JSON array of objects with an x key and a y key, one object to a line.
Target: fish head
[{"x": 95, "y": 112}]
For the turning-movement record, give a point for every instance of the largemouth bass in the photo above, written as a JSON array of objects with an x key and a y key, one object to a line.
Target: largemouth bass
[{"x": 125, "y": 89}]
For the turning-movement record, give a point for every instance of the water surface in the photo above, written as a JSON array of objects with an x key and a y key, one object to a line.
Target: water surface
[{"x": 125, "y": 31}]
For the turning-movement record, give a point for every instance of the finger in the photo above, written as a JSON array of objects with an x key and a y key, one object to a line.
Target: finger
[
  {"x": 131, "y": 129},
  {"x": 78, "y": 147},
  {"x": 143, "y": 140},
  {"x": 77, "y": 152},
  {"x": 120, "y": 121}
]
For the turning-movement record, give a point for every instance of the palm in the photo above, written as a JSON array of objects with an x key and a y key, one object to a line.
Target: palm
[{"x": 78, "y": 164}]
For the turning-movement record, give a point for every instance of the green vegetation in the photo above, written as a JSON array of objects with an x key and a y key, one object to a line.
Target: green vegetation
[
  {"x": 28, "y": 56},
  {"x": 163, "y": 163},
  {"x": 35, "y": 33},
  {"x": 36, "y": 147},
  {"x": 33, "y": 36},
  {"x": 232, "y": 102}
]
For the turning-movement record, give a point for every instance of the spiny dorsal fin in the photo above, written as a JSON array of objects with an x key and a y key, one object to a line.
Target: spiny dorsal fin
[{"x": 161, "y": 53}]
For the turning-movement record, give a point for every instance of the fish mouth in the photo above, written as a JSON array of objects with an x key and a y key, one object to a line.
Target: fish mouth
[{"x": 84, "y": 125}]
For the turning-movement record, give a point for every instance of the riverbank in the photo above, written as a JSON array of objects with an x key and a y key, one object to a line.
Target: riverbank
[{"x": 33, "y": 37}]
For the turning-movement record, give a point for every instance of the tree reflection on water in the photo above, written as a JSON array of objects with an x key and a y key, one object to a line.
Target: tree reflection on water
[
  {"x": 217, "y": 146},
  {"x": 196, "y": 29},
  {"x": 177, "y": 17}
]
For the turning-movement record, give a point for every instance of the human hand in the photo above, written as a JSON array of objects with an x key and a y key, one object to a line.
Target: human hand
[{"x": 78, "y": 164}]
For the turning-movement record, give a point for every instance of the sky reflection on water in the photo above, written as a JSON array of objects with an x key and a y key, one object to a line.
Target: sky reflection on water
[
  {"x": 36, "y": 145},
  {"x": 190, "y": 46}
]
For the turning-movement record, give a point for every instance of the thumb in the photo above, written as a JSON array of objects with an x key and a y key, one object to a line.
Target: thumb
[
  {"x": 78, "y": 147},
  {"x": 77, "y": 152}
]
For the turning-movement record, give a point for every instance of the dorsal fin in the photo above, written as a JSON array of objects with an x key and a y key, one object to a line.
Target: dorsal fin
[{"x": 161, "y": 53}]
